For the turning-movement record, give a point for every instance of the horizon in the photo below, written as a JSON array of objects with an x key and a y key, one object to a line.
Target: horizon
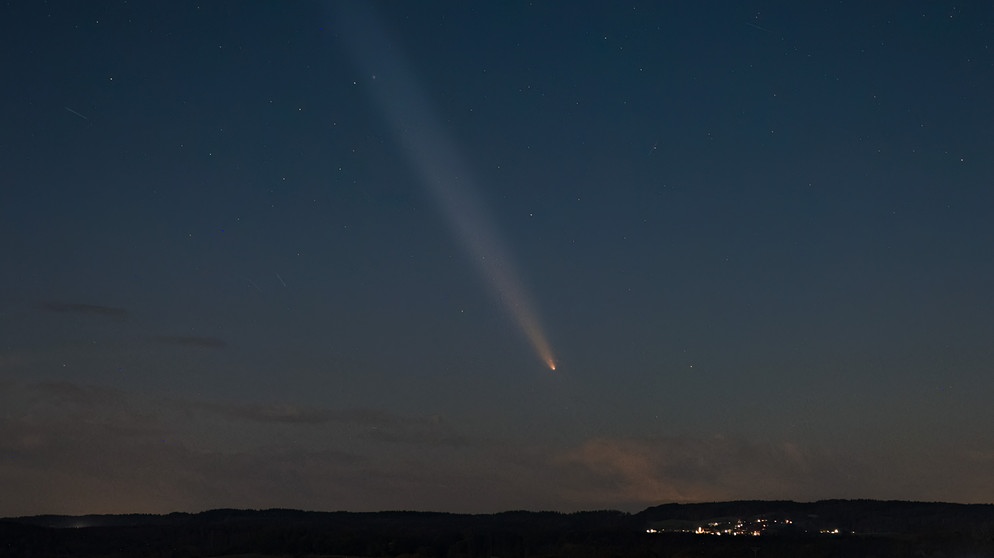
[
  {"x": 774, "y": 528},
  {"x": 511, "y": 511},
  {"x": 494, "y": 256}
]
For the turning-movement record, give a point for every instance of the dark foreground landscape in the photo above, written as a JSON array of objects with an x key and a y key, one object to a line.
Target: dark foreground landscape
[{"x": 748, "y": 529}]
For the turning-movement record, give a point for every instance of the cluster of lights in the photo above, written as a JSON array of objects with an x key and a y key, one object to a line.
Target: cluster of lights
[
  {"x": 739, "y": 528},
  {"x": 753, "y": 528}
]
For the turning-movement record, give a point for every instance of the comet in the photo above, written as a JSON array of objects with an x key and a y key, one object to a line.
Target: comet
[{"x": 431, "y": 152}]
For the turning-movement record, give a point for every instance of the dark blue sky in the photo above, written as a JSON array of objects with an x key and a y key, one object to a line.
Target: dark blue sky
[{"x": 259, "y": 254}]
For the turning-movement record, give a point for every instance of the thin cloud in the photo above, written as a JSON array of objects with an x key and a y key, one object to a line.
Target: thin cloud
[
  {"x": 288, "y": 414},
  {"x": 106, "y": 409},
  {"x": 632, "y": 471},
  {"x": 86, "y": 309},
  {"x": 192, "y": 341},
  {"x": 71, "y": 453},
  {"x": 80, "y": 395},
  {"x": 299, "y": 414},
  {"x": 372, "y": 424},
  {"x": 90, "y": 449},
  {"x": 432, "y": 431}
]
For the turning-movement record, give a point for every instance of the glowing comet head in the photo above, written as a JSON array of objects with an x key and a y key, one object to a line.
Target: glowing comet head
[{"x": 552, "y": 364}]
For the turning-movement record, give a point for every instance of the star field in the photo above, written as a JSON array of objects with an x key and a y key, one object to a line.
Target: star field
[{"x": 320, "y": 255}]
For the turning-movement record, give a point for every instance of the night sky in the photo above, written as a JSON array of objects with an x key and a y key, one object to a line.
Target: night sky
[{"x": 325, "y": 256}]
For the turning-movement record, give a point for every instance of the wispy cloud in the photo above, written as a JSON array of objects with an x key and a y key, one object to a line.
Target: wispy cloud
[
  {"x": 688, "y": 469},
  {"x": 105, "y": 408},
  {"x": 297, "y": 414},
  {"x": 68, "y": 449},
  {"x": 368, "y": 423},
  {"x": 86, "y": 309},
  {"x": 80, "y": 395},
  {"x": 71, "y": 448},
  {"x": 192, "y": 341}
]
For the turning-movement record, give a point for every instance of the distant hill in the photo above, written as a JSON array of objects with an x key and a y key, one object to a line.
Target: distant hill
[{"x": 756, "y": 528}]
